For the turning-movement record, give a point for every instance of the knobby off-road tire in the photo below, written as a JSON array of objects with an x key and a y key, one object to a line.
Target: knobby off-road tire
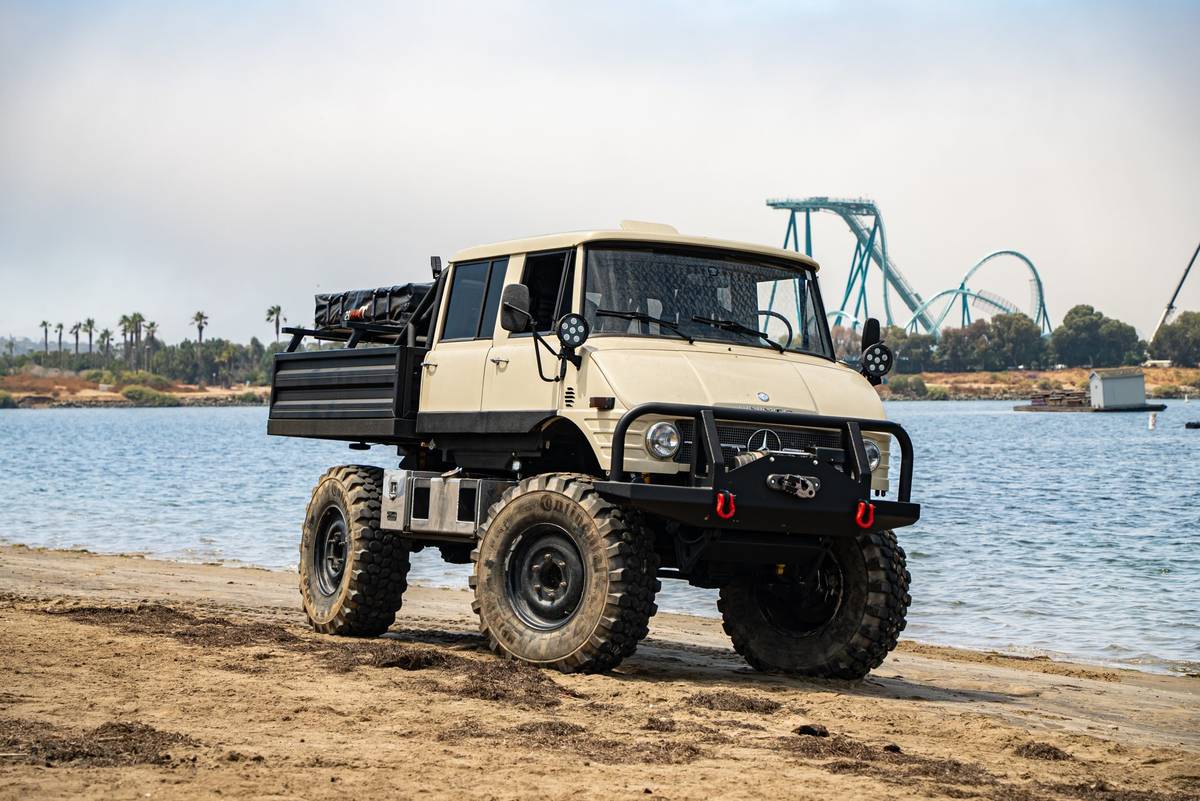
[
  {"x": 352, "y": 575},
  {"x": 562, "y": 577},
  {"x": 782, "y": 628}
]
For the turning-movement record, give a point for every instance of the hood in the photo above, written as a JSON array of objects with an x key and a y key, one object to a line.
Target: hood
[{"x": 736, "y": 378}]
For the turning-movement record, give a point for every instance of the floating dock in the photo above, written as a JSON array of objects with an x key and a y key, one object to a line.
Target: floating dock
[
  {"x": 1087, "y": 407},
  {"x": 1118, "y": 390}
]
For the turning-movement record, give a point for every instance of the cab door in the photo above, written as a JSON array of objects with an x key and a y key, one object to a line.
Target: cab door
[
  {"x": 453, "y": 371},
  {"x": 511, "y": 380}
]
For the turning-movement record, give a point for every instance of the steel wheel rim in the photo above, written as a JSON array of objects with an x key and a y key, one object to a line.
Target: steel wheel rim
[
  {"x": 804, "y": 606},
  {"x": 545, "y": 576},
  {"x": 330, "y": 551}
]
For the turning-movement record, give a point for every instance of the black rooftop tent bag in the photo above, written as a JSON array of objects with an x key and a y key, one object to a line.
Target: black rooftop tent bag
[{"x": 387, "y": 305}]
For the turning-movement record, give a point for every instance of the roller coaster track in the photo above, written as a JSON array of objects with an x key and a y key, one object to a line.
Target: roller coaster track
[{"x": 863, "y": 219}]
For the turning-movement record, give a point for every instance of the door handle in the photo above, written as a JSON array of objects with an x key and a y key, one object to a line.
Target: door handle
[
  {"x": 498, "y": 360},
  {"x": 428, "y": 364}
]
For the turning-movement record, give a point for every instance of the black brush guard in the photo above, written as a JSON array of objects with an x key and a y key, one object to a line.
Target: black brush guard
[{"x": 721, "y": 495}]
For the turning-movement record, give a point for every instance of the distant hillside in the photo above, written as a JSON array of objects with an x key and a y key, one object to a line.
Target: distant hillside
[{"x": 26, "y": 345}]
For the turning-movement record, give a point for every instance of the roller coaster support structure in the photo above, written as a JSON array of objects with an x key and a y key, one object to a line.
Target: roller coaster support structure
[{"x": 863, "y": 219}]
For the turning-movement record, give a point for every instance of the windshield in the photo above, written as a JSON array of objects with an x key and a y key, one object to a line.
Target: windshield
[{"x": 651, "y": 292}]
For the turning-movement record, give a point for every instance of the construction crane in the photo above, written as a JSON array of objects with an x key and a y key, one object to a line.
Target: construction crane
[{"x": 1167, "y": 312}]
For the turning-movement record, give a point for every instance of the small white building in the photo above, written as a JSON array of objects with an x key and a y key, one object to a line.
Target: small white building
[{"x": 1117, "y": 388}]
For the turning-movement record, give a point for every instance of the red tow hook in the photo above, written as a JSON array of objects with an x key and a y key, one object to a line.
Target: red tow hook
[
  {"x": 725, "y": 505},
  {"x": 866, "y": 515}
]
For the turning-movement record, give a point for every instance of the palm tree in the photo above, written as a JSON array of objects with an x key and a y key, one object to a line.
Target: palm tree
[
  {"x": 106, "y": 341},
  {"x": 75, "y": 332},
  {"x": 226, "y": 358},
  {"x": 151, "y": 330},
  {"x": 12, "y": 345},
  {"x": 136, "y": 320},
  {"x": 45, "y": 336},
  {"x": 274, "y": 315},
  {"x": 89, "y": 328},
  {"x": 125, "y": 328},
  {"x": 58, "y": 329},
  {"x": 200, "y": 320}
]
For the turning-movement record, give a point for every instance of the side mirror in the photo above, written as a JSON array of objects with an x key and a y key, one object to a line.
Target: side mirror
[
  {"x": 435, "y": 266},
  {"x": 572, "y": 330},
  {"x": 870, "y": 334},
  {"x": 514, "y": 309}
]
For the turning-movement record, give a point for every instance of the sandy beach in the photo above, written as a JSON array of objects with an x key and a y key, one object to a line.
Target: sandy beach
[{"x": 127, "y": 677}]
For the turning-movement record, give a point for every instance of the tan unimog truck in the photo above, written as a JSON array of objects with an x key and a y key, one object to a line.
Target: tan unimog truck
[{"x": 581, "y": 415}]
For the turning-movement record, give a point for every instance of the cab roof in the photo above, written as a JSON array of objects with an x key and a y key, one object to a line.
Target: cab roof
[{"x": 630, "y": 231}]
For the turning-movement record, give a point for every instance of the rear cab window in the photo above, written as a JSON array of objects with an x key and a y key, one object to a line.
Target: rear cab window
[{"x": 474, "y": 299}]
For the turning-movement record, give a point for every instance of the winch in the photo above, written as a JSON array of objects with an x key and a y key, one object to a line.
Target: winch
[{"x": 801, "y": 486}]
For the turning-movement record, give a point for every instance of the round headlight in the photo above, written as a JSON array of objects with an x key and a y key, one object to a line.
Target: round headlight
[
  {"x": 874, "y": 455},
  {"x": 662, "y": 440}
]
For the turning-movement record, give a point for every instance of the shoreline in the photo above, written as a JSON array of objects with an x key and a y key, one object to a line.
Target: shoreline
[
  {"x": 191, "y": 401},
  {"x": 113, "y": 400},
  {"x": 1162, "y": 383},
  {"x": 205, "y": 682},
  {"x": 1013, "y": 654}
]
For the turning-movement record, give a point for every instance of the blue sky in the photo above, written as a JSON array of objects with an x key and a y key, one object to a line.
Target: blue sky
[{"x": 168, "y": 157}]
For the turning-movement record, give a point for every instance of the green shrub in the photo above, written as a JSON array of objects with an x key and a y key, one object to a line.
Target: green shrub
[
  {"x": 145, "y": 396},
  {"x": 937, "y": 393},
  {"x": 1047, "y": 384},
  {"x": 908, "y": 386},
  {"x": 145, "y": 379},
  {"x": 249, "y": 398},
  {"x": 7, "y": 401},
  {"x": 99, "y": 376},
  {"x": 1166, "y": 391}
]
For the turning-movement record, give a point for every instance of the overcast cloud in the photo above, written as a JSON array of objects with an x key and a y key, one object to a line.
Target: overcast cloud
[{"x": 169, "y": 157}]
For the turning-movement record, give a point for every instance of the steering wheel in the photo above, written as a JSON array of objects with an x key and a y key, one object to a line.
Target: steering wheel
[{"x": 786, "y": 323}]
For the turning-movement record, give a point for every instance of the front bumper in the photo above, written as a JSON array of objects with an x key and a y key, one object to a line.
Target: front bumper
[{"x": 841, "y": 506}]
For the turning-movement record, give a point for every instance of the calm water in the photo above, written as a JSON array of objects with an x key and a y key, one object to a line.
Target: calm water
[{"x": 1066, "y": 534}]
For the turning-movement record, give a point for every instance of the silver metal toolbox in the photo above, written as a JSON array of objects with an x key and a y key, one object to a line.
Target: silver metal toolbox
[{"x": 434, "y": 504}]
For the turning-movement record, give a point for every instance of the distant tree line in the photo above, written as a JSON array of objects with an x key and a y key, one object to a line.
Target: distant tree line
[
  {"x": 203, "y": 361},
  {"x": 1179, "y": 341},
  {"x": 1085, "y": 338}
]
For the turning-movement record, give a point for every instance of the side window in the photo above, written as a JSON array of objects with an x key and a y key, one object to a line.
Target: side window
[
  {"x": 549, "y": 277},
  {"x": 474, "y": 299}
]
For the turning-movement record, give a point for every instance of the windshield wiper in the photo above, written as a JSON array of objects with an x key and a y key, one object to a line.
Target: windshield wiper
[
  {"x": 737, "y": 328},
  {"x": 642, "y": 317}
]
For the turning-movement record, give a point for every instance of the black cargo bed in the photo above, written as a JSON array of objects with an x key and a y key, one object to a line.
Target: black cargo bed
[{"x": 364, "y": 394}]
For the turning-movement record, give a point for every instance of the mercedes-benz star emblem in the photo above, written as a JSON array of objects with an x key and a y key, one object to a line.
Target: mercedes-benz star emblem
[
  {"x": 761, "y": 440},
  {"x": 764, "y": 397}
]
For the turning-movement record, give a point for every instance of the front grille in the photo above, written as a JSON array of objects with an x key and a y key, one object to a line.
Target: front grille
[{"x": 739, "y": 437}]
